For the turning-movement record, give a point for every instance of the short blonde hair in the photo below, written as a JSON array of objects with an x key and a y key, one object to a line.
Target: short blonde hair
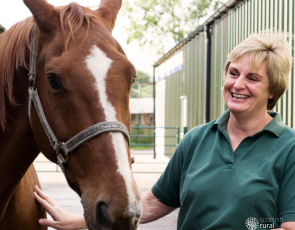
[{"x": 273, "y": 49}]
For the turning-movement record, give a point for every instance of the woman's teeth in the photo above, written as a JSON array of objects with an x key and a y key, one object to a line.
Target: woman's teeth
[{"x": 240, "y": 96}]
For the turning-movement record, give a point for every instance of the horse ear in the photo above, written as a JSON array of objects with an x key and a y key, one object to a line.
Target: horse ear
[
  {"x": 108, "y": 11},
  {"x": 44, "y": 13}
]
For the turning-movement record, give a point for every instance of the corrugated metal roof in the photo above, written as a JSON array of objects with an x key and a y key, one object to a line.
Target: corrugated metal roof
[{"x": 215, "y": 16}]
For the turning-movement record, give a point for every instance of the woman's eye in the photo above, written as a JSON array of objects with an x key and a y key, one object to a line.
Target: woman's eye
[
  {"x": 233, "y": 74},
  {"x": 134, "y": 79},
  {"x": 54, "y": 82},
  {"x": 253, "y": 79}
]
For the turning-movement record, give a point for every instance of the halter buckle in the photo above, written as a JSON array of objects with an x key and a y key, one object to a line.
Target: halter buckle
[
  {"x": 60, "y": 146},
  {"x": 32, "y": 81},
  {"x": 60, "y": 159}
]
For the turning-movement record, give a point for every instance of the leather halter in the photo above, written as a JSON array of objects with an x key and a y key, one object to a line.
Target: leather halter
[{"x": 77, "y": 140}]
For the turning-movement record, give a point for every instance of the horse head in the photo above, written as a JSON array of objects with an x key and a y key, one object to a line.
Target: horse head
[{"x": 84, "y": 78}]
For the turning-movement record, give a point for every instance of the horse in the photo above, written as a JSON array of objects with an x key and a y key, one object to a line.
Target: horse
[{"x": 82, "y": 78}]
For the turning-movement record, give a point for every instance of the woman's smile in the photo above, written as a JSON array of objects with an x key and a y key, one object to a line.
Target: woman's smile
[{"x": 239, "y": 96}]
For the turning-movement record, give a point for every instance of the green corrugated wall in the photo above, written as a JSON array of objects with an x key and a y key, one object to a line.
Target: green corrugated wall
[
  {"x": 189, "y": 82},
  {"x": 251, "y": 16}
]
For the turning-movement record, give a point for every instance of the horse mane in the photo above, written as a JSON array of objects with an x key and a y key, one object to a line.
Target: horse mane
[{"x": 15, "y": 41}]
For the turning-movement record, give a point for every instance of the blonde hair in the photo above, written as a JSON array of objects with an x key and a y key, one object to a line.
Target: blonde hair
[{"x": 273, "y": 49}]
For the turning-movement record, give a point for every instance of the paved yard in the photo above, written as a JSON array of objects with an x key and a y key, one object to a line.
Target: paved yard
[{"x": 54, "y": 184}]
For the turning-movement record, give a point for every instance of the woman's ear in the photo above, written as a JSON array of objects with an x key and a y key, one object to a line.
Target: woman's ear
[{"x": 270, "y": 96}]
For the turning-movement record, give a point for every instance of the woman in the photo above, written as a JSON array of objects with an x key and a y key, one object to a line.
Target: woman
[{"x": 236, "y": 172}]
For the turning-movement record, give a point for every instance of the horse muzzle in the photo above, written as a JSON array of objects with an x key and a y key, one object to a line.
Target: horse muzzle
[{"x": 107, "y": 218}]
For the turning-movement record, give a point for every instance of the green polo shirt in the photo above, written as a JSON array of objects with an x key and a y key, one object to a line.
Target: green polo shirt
[{"x": 218, "y": 188}]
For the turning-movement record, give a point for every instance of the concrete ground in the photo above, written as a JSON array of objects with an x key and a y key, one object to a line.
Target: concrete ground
[{"x": 55, "y": 185}]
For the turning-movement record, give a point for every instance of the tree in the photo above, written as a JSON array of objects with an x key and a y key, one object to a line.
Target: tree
[
  {"x": 2, "y": 29},
  {"x": 161, "y": 23},
  {"x": 142, "y": 86}
]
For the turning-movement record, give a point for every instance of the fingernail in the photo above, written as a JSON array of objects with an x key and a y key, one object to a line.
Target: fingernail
[{"x": 41, "y": 221}]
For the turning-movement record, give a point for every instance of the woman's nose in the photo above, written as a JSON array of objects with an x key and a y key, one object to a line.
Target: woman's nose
[{"x": 240, "y": 83}]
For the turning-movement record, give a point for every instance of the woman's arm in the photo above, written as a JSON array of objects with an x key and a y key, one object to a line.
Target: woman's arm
[
  {"x": 62, "y": 219},
  {"x": 153, "y": 209}
]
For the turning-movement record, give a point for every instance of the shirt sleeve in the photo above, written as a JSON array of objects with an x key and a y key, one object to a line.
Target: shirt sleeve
[
  {"x": 167, "y": 188},
  {"x": 286, "y": 201}
]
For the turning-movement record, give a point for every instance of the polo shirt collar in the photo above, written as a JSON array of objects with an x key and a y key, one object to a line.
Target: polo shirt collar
[
  {"x": 275, "y": 126},
  {"x": 222, "y": 120}
]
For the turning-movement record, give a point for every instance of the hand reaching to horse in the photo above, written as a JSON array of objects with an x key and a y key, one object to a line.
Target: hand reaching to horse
[{"x": 62, "y": 219}]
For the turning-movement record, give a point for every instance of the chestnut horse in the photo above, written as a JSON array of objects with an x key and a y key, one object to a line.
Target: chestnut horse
[{"x": 83, "y": 77}]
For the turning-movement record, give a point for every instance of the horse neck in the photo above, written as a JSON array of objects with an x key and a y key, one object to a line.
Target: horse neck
[{"x": 17, "y": 144}]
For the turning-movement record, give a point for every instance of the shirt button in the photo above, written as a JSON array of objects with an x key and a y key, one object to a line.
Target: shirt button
[{"x": 238, "y": 154}]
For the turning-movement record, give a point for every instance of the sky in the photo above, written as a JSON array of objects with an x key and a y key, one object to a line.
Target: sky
[{"x": 13, "y": 11}]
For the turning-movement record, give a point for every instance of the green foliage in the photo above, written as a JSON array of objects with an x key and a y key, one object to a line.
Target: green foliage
[
  {"x": 143, "y": 77},
  {"x": 157, "y": 23},
  {"x": 142, "y": 140},
  {"x": 2, "y": 29},
  {"x": 142, "y": 86}
]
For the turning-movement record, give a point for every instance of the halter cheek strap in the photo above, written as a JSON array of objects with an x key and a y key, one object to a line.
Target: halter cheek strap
[{"x": 77, "y": 140}]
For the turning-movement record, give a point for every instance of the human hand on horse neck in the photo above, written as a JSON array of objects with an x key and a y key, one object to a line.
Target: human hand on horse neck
[{"x": 62, "y": 219}]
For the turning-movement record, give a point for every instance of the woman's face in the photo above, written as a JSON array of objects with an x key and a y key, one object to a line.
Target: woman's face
[{"x": 246, "y": 90}]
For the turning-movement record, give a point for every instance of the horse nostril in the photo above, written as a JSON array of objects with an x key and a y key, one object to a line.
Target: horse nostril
[
  {"x": 102, "y": 215},
  {"x": 135, "y": 220}
]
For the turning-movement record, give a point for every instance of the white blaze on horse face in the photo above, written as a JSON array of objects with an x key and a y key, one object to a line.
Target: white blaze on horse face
[{"x": 98, "y": 64}]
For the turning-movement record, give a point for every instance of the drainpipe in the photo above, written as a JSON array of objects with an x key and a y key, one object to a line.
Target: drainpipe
[
  {"x": 207, "y": 73},
  {"x": 154, "y": 115}
]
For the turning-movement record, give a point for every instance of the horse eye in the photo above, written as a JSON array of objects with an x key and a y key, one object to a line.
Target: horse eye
[{"x": 54, "y": 82}]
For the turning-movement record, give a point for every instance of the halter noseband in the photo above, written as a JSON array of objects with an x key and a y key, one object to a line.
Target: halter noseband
[{"x": 77, "y": 140}]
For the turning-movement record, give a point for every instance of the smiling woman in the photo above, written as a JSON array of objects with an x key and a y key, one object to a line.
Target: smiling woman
[{"x": 241, "y": 166}]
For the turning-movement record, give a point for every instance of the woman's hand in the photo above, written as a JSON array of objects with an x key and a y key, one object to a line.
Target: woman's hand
[
  {"x": 290, "y": 225},
  {"x": 62, "y": 219}
]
